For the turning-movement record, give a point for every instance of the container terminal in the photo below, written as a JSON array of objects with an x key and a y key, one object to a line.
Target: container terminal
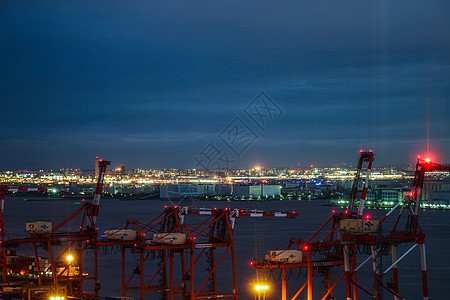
[{"x": 55, "y": 269}]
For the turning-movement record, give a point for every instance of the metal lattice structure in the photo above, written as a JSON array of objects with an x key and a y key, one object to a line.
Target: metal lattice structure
[
  {"x": 60, "y": 241},
  {"x": 178, "y": 264},
  {"x": 347, "y": 235}
]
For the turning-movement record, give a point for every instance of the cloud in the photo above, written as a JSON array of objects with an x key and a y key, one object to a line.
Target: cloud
[{"x": 140, "y": 74}]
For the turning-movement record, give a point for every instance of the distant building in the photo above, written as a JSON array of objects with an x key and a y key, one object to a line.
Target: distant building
[
  {"x": 223, "y": 189},
  {"x": 246, "y": 191},
  {"x": 392, "y": 195},
  {"x": 254, "y": 191},
  {"x": 73, "y": 186},
  {"x": 270, "y": 190},
  {"x": 388, "y": 196},
  {"x": 115, "y": 188},
  {"x": 442, "y": 197},
  {"x": 175, "y": 191},
  {"x": 431, "y": 185},
  {"x": 371, "y": 196}
]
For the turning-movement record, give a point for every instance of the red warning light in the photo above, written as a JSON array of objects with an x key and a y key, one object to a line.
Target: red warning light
[
  {"x": 252, "y": 263},
  {"x": 346, "y": 211},
  {"x": 427, "y": 160},
  {"x": 361, "y": 150},
  {"x": 333, "y": 211},
  {"x": 305, "y": 247},
  {"x": 367, "y": 217},
  {"x": 194, "y": 238}
]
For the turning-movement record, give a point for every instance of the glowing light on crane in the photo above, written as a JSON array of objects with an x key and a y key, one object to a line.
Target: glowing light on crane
[
  {"x": 69, "y": 258},
  {"x": 261, "y": 287},
  {"x": 427, "y": 158}
]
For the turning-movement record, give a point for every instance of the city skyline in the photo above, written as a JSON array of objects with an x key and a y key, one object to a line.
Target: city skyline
[{"x": 152, "y": 85}]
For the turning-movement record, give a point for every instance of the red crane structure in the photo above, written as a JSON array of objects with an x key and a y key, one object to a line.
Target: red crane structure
[
  {"x": 208, "y": 243},
  {"x": 351, "y": 233},
  {"x": 412, "y": 233},
  {"x": 3, "y": 190},
  {"x": 59, "y": 243}
]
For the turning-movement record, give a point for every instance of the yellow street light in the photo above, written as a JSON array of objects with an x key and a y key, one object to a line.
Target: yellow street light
[{"x": 69, "y": 258}]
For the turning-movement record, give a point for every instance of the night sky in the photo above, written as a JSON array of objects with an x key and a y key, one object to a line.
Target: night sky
[{"x": 160, "y": 84}]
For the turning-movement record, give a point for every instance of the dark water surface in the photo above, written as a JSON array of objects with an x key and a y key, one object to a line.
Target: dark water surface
[{"x": 253, "y": 237}]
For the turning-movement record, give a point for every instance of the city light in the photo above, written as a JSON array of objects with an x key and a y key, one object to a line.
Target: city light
[{"x": 261, "y": 287}]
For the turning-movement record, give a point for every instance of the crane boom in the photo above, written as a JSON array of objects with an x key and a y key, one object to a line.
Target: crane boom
[
  {"x": 93, "y": 213},
  {"x": 366, "y": 158},
  {"x": 422, "y": 166}
]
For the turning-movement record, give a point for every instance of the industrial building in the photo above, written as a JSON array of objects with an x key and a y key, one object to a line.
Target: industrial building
[
  {"x": 254, "y": 191},
  {"x": 175, "y": 191}
]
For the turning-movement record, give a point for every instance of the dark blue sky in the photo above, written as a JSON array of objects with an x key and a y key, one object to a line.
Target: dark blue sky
[{"x": 150, "y": 84}]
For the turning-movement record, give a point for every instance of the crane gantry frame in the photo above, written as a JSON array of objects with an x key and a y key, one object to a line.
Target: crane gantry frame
[{"x": 338, "y": 245}]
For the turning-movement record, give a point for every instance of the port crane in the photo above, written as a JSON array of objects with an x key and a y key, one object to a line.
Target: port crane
[
  {"x": 3, "y": 190},
  {"x": 168, "y": 236},
  {"x": 59, "y": 243},
  {"x": 412, "y": 232},
  {"x": 319, "y": 257},
  {"x": 351, "y": 233}
]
